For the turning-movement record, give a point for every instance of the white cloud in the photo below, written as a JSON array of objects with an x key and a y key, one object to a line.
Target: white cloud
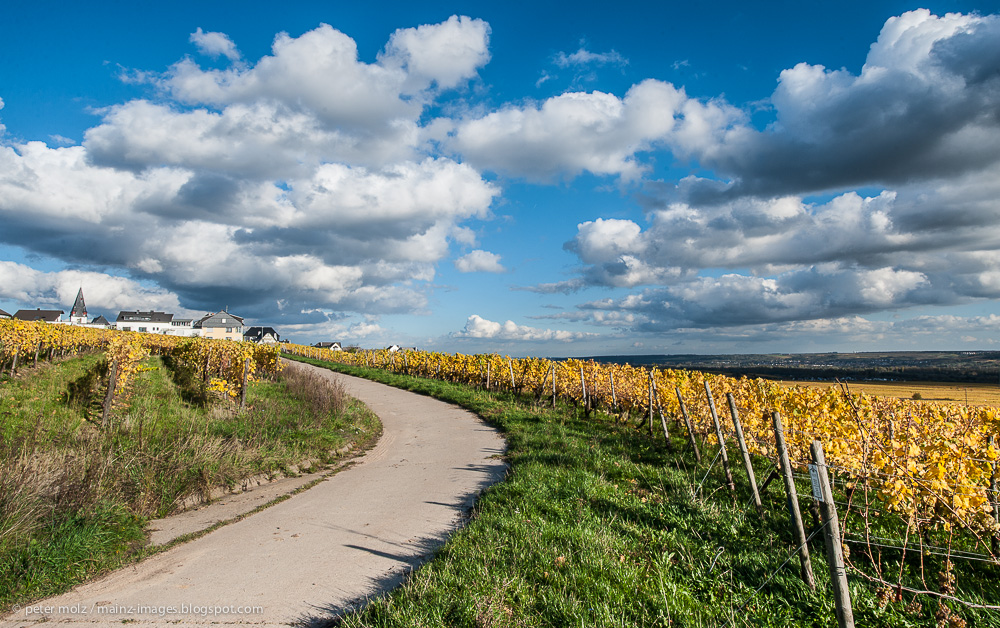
[
  {"x": 446, "y": 53},
  {"x": 586, "y": 57},
  {"x": 365, "y": 330},
  {"x": 923, "y": 106},
  {"x": 215, "y": 44},
  {"x": 318, "y": 73},
  {"x": 312, "y": 101},
  {"x": 942, "y": 232},
  {"x": 300, "y": 175},
  {"x": 479, "y": 261},
  {"x": 479, "y": 327},
  {"x": 314, "y": 175},
  {"x": 345, "y": 237},
  {"x": 104, "y": 293},
  {"x": 61, "y": 140},
  {"x": 594, "y": 132},
  {"x": 258, "y": 140},
  {"x": 735, "y": 300}
]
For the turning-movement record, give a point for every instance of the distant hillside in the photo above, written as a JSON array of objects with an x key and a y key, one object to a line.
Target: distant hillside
[{"x": 939, "y": 366}]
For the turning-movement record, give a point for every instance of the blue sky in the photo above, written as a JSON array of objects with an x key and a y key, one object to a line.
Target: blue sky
[{"x": 529, "y": 178}]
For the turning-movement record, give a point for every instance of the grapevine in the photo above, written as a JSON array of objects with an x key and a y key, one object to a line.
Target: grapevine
[
  {"x": 926, "y": 462},
  {"x": 225, "y": 364}
]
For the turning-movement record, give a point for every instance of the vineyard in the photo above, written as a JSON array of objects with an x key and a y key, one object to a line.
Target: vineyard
[
  {"x": 102, "y": 431},
  {"x": 226, "y": 367},
  {"x": 930, "y": 468}
]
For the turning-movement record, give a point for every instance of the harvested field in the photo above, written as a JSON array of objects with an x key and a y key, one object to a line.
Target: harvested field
[{"x": 937, "y": 392}]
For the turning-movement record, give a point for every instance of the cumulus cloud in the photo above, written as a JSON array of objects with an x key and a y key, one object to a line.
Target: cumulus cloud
[
  {"x": 481, "y": 328},
  {"x": 345, "y": 236},
  {"x": 592, "y": 132},
  {"x": 918, "y": 124},
  {"x": 923, "y": 106},
  {"x": 443, "y": 54},
  {"x": 311, "y": 101},
  {"x": 735, "y": 300},
  {"x": 215, "y": 44},
  {"x": 298, "y": 175},
  {"x": 479, "y": 261},
  {"x": 254, "y": 140},
  {"x": 315, "y": 175},
  {"x": 104, "y": 293},
  {"x": 945, "y": 235}
]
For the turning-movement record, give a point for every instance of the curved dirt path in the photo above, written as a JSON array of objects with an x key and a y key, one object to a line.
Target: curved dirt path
[{"x": 306, "y": 559}]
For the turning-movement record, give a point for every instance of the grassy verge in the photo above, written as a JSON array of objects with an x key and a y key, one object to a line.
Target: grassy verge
[
  {"x": 599, "y": 525},
  {"x": 74, "y": 497}
]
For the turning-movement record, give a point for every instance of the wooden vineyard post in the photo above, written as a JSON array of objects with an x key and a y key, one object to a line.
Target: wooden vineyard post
[
  {"x": 553, "y": 384},
  {"x": 650, "y": 403},
  {"x": 489, "y": 373},
  {"x": 690, "y": 428},
  {"x": 38, "y": 349},
  {"x": 13, "y": 365},
  {"x": 746, "y": 454},
  {"x": 834, "y": 548},
  {"x": 614, "y": 397},
  {"x": 109, "y": 398},
  {"x": 243, "y": 388},
  {"x": 541, "y": 388},
  {"x": 722, "y": 441},
  {"x": 793, "y": 503},
  {"x": 510, "y": 365},
  {"x": 583, "y": 388},
  {"x": 659, "y": 408}
]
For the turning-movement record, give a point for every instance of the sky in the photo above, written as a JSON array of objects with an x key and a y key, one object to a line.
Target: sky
[{"x": 552, "y": 179}]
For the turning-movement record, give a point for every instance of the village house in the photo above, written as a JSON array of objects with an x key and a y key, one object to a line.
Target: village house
[
  {"x": 146, "y": 322},
  {"x": 221, "y": 326},
  {"x": 49, "y": 316},
  {"x": 100, "y": 321},
  {"x": 332, "y": 346},
  {"x": 261, "y": 335}
]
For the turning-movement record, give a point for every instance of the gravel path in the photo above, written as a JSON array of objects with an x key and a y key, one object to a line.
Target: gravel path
[{"x": 302, "y": 561}]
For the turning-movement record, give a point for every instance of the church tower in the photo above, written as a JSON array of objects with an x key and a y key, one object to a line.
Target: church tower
[{"x": 78, "y": 315}]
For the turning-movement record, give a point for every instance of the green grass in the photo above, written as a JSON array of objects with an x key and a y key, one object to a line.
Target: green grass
[
  {"x": 68, "y": 549},
  {"x": 38, "y": 407},
  {"x": 598, "y": 525},
  {"x": 75, "y": 496}
]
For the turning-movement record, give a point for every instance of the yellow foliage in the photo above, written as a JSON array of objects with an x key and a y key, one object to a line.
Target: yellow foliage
[
  {"x": 223, "y": 360},
  {"x": 925, "y": 459}
]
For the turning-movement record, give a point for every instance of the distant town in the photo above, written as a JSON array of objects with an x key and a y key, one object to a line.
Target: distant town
[{"x": 221, "y": 325}]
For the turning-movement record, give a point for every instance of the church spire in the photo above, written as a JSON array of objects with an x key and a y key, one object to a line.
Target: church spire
[{"x": 79, "y": 312}]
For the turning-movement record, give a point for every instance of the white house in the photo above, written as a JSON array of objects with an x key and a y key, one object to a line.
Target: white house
[{"x": 146, "y": 322}]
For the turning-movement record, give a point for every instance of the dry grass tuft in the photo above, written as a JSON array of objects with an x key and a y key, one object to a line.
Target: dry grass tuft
[{"x": 323, "y": 395}]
